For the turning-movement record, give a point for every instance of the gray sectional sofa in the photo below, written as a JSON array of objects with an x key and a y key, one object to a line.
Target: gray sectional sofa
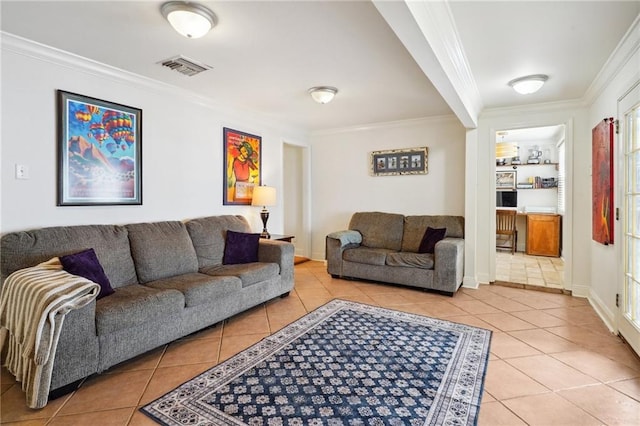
[
  {"x": 169, "y": 281},
  {"x": 384, "y": 247}
]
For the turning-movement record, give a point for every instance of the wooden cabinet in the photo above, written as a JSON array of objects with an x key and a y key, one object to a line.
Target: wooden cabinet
[{"x": 543, "y": 234}]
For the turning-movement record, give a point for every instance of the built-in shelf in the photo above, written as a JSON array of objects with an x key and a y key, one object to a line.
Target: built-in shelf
[{"x": 515, "y": 166}]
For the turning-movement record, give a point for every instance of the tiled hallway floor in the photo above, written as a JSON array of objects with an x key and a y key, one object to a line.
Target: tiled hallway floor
[
  {"x": 552, "y": 359},
  {"x": 539, "y": 271}
]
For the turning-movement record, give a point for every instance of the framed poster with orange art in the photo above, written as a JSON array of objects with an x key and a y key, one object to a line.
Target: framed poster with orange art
[
  {"x": 602, "y": 182},
  {"x": 243, "y": 166}
]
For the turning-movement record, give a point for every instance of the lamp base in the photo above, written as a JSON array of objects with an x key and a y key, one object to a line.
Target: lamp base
[{"x": 264, "y": 215}]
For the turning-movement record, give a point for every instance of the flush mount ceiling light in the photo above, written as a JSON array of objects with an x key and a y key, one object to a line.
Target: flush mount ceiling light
[
  {"x": 528, "y": 84},
  {"x": 192, "y": 20},
  {"x": 323, "y": 94}
]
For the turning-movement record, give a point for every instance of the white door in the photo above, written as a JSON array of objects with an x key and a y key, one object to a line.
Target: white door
[{"x": 629, "y": 310}]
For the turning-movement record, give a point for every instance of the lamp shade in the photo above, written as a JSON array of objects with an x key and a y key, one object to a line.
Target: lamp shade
[
  {"x": 506, "y": 150},
  {"x": 264, "y": 196},
  {"x": 323, "y": 94},
  {"x": 189, "y": 19}
]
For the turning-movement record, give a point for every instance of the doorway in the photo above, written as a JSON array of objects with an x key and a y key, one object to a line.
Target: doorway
[
  {"x": 530, "y": 178},
  {"x": 296, "y": 186}
]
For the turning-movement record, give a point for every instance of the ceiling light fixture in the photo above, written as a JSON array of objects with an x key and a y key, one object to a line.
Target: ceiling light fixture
[
  {"x": 528, "y": 84},
  {"x": 192, "y": 20},
  {"x": 323, "y": 94}
]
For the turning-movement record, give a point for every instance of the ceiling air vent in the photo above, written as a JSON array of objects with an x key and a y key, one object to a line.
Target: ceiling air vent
[{"x": 184, "y": 65}]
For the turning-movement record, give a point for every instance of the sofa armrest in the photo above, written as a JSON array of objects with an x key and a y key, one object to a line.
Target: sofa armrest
[
  {"x": 448, "y": 264},
  {"x": 77, "y": 353},
  {"x": 346, "y": 237},
  {"x": 336, "y": 244},
  {"x": 280, "y": 252}
]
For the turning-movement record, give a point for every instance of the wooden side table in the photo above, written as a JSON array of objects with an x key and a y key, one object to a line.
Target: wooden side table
[{"x": 280, "y": 237}]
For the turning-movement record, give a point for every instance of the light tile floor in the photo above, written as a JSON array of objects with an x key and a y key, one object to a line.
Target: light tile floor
[
  {"x": 552, "y": 359},
  {"x": 539, "y": 271}
]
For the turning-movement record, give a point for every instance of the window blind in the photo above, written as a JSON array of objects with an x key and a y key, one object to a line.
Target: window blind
[{"x": 561, "y": 178}]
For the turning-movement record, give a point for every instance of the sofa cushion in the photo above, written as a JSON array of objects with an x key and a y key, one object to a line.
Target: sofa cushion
[
  {"x": 370, "y": 256},
  {"x": 379, "y": 230},
  {"x": 110, "y": 242},
  {"x": 249, "y": 273},
  {"x": 87, "y": 265},
  {"x": 208, "y": 236},
  {"x": 136, "y": 304},
  {"x": 414, "y": 260},
  {"x": 197, "y": 288},
  {"x": 240, "y": 247},
  {"x": 161, "y": 250},
  {"x": 430, "y": 238},
  {"x": 415, "y": 227}
]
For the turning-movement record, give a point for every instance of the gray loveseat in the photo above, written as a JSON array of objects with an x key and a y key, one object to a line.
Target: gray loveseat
[
  {"x": 384, "y": 247},
  {"x": 168, "y": 278}
]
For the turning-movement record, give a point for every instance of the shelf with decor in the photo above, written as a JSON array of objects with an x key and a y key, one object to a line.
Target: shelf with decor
[
  {"x": 519, "y": 188},
  {"x": 515, "y": 166}
]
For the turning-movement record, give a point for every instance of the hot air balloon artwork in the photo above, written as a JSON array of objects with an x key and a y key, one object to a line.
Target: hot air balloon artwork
[
  {"x": 98, "y": 132},
  {"x": 93, "y": 110},
  {"x": 100, "y": 155}
]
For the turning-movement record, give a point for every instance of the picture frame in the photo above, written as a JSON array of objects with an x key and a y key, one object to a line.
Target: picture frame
[
  {"x": 409, "y": 161},
  {"x": 242, "y": 166},
  {"x": 99, "y": 150},
  {"x": 506, "y": 180},
  {"x": 602, "y": 189}
]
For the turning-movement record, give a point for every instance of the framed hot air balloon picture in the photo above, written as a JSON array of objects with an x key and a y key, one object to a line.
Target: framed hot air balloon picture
[{"x": 99, "y": 152}]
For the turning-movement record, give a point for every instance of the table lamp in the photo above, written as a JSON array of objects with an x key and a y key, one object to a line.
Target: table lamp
[{"x": 264, "y": 196}]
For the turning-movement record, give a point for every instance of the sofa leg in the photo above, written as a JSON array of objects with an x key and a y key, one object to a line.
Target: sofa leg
[{"x": 283, "y": 295}]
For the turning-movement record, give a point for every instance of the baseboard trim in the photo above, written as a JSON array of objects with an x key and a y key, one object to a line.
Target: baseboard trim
[{"x": 533, "y": 287}]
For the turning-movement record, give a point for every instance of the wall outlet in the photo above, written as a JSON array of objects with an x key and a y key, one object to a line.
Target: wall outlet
[{"x": 22, "y": 171}]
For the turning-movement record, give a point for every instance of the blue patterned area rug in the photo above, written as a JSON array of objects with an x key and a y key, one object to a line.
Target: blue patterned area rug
[{"x": 343, "y": 364}]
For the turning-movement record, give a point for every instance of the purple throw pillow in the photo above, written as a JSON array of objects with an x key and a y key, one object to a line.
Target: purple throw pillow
[
  {"x": 87, "y": 265},
  {"x": 240, "y": 247},
  {"x": 430, "y": 238}
]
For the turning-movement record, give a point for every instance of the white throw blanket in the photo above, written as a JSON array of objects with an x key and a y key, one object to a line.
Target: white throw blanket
[{"x": 33, "y": 304}]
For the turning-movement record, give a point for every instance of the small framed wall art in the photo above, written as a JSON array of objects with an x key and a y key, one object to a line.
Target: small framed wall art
[
  {"x": 410, "y": 161},
  {"x": 99, "y": 148},
  {"x": 506, "y": 180},
  {"x": 243, "y": 166}
]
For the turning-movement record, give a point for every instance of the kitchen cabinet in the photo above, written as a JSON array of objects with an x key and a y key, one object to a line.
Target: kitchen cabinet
[{"x": 543, "y": 234}]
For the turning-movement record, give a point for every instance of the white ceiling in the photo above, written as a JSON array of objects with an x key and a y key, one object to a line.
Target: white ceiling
[{"x": 266, "y": 54}]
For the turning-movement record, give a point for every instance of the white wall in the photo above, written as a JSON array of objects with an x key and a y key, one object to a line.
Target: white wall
[
  {"x": 182, "y": 143},
  {"x": 342, "y": 185},
  {"x": 607, "y": 261}
]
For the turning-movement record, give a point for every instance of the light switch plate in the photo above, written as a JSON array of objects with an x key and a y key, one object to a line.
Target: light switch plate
[{"x": 22, "y": 171}]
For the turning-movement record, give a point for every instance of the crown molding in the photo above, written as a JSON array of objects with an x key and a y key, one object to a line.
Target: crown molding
[
  {"x": 44, "y": 53},
  {"x": 624, "y": 51},
  {"x": 534, "y": 108}
]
